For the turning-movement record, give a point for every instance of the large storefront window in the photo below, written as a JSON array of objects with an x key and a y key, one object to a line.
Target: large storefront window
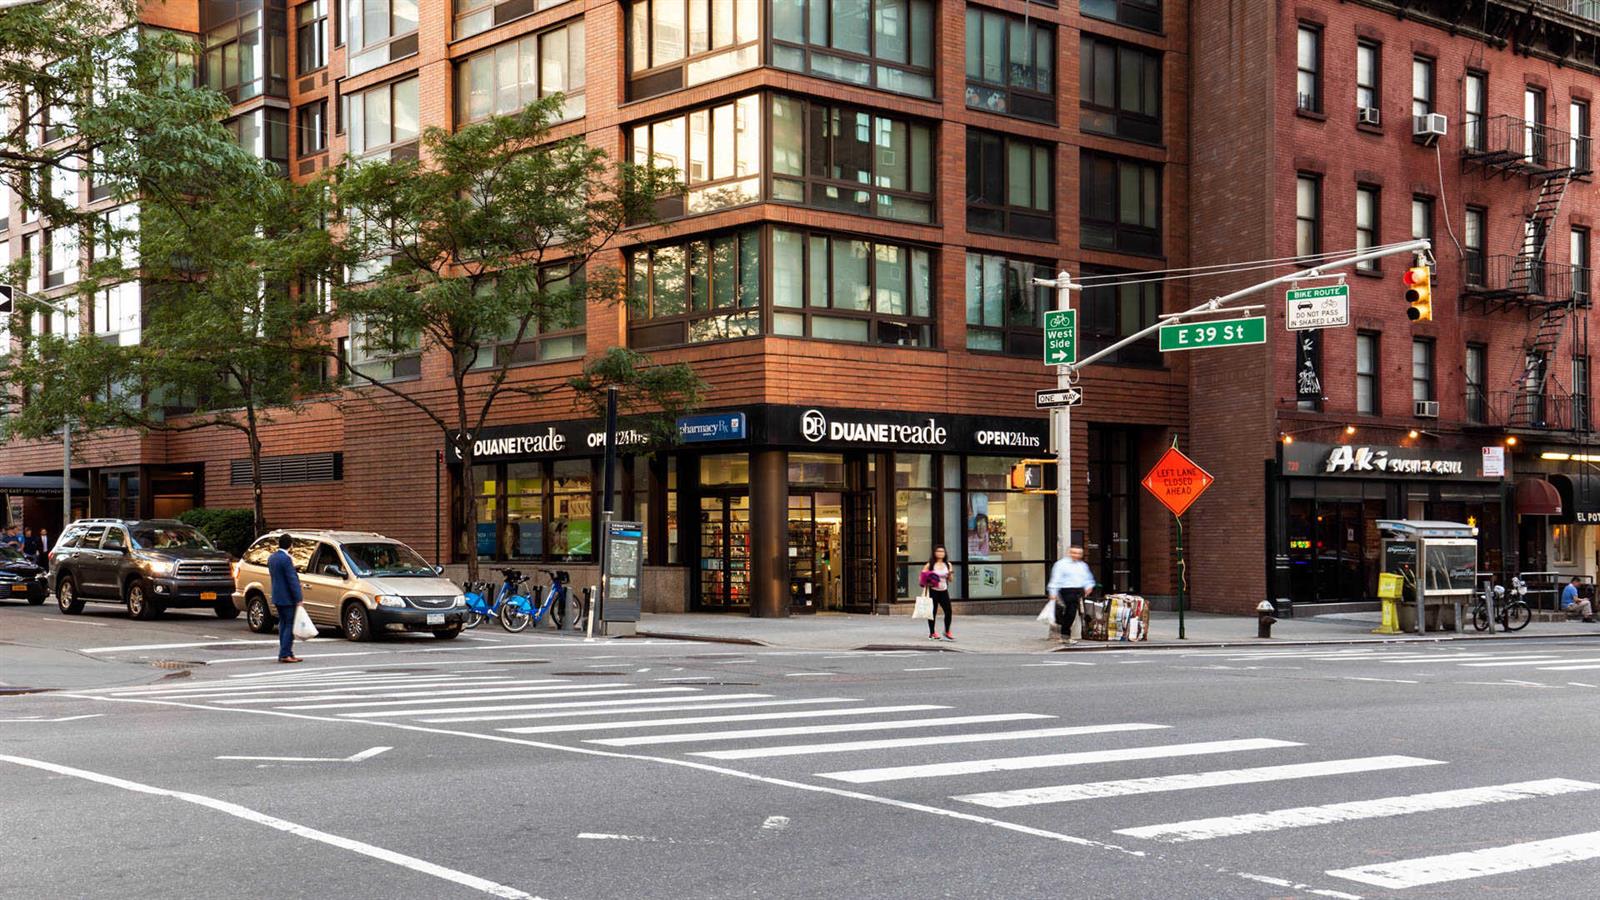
[
  {"x": 1005, "y": 533},
  {"x": 915, "y": 506},
  {"x": 887, "y": 44},
  {"x": 537, "y": 510}
]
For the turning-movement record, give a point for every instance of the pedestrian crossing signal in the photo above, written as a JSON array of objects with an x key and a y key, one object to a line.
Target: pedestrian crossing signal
[
  {"x": 1419, "y": 293},
  {"x": 1027, "y": 476}
]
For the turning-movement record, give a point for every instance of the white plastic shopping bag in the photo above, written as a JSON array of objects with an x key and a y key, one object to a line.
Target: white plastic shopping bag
[
  {"x": 924, "y": 607},
  {"x": 303, "y": 629},
  {"x": 1048, "y": 614}
]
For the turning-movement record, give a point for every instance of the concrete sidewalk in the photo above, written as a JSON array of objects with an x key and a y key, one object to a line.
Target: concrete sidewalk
[{"x": 1023, "y": 634}]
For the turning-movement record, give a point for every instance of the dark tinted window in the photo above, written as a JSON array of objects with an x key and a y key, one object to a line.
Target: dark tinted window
[
  {"x": 385, "y": 558},
  {"x": 9, "y": 554},
  {"x": 170, "y": 537},
  {"x": 70, "y": 539},
  {"x": 116, "y": 539},
  {"x": 91, "y": 536},
  {"x": 326, "y": 556}
]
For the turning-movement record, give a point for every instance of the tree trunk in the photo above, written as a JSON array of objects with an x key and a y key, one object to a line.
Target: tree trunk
[
  {"x": 464, "y": 512},
  {"x": 253, "y": 437}
]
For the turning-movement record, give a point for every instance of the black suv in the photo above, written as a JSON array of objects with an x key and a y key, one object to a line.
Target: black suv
[{"x": 149, "y": 564}]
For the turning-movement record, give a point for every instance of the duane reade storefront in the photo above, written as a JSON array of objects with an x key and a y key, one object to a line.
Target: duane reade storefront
[
  {"x": 778, "y": 510},
  {"x": 1325, "y": 500}
]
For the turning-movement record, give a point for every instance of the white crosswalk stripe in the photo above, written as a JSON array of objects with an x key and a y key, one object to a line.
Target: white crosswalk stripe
[
  {"x": 735, "y": 717},
  {"x": 1328, "y": 814},
  {"x": 454, "y": 687},
  {"x": 935, "y": 741},
  {"x": 708, "y": 736},
  {"x": 566, "y": 704},
  {"x": 1094, "y": 790},
  {"x": 1052, "y": 760},
  {"x": 669, "y": 704},
  {"x": 565, "y": 690},
  {"x": 1409, "y": 873}
]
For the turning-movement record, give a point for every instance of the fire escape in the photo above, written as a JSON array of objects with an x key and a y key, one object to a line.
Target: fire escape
[{"x": 1550, "y": 294}]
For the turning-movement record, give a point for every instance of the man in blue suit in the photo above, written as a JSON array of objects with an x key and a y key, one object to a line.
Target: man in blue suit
[{"x": 285, "y": 596}]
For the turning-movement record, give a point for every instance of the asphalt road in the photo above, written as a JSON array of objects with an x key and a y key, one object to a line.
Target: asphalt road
[{"x": 540, "y": 765}]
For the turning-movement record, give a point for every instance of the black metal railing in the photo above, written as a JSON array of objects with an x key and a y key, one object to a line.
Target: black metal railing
[
  {"x": 1553, "y": 409},
  {"x": 1523, "y": 145},
  {"x": 1518, "y": 277}
]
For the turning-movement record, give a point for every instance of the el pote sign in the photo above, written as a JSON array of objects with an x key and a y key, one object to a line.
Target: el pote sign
[{"x": 1177, "y": 481}]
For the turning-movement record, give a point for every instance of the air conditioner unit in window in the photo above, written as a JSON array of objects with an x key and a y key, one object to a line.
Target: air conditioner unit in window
[
  {"x": 1306, "y": 102},
  {"x": 1426, "y": 409},
  {"x": 1368, "y": 115},
  {"x": 1429, "y": 128}
]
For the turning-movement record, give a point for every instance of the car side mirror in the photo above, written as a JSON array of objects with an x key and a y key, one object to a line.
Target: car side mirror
[
  {"x": 333, "y": 571},
  {"x": 438, "y": 570}
]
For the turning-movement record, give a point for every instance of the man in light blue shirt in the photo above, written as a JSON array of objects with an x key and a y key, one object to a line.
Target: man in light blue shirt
[
  {"x": 1570, "y": 599},
  {"x": 1070, "y": 582}
]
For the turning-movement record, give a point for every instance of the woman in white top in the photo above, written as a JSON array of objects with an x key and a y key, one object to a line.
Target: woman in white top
[{"x": 936, "y": 578}]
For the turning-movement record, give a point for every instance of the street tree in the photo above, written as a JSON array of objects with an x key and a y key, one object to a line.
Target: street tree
[{"x": 474, "y": 248}]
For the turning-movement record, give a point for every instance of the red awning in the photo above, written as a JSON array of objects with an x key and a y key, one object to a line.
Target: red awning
[{"x": 1537, "y": 497}]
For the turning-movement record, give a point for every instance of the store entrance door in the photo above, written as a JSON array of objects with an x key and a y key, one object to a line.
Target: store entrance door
[
  {"x": 831, "y": 562},
  {"x": 724, "y": 582}
]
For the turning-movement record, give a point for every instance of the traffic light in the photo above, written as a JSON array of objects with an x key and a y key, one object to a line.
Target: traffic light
[
  {"x": 1419, "y": 293},
  {"x": 1027, "y": 475}
]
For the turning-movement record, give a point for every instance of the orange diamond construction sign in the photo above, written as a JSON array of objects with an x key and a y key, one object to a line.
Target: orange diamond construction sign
[{"x": 1177, "y": 481}]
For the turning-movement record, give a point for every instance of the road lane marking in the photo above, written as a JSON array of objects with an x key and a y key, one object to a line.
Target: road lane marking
[
  {"x": 737, "y": 717},
  {"x": 1573, "y": 668},
  {"x": 249, "y": 815},
  {"x": 1052, "y": 760},
  {"x": 1384, "y": 680},
  {"x": 129, "y": 648},
  {"x": 667, "y": 704},
  {"x": 567, "y": 690},
  {"x": 928, "y": 669},
  {"x": 485, "y": 689},
  {"x": 1332, "y": 813},
  {"x": 790, "y": 731},
  {"x": 1518, "y": 661},
  {"x": 62, "y": 719},
  {"x": 1446, "y": 867},
  {"x": 358, "y": 757},
  {"x": 935, "y": 741},
  {"x": 241, "y": 689},
  {"x": 1294, "y": 886},
  {"x": 575, "y": 704}
]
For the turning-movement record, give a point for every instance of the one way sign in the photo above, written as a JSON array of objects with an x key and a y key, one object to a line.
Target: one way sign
[{"x": 1057, "y": 398}]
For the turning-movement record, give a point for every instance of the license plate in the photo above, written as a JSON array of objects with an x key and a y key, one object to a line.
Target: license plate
[
  {"x": 19, "y": 589},
  {"x": 208, "y": 595},
  {"x": 436, "y": 619}
]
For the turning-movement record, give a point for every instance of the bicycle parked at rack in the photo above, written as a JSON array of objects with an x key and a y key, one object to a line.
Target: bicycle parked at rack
[
  {"x": 558, "y": 601},
  {"x": 485, "y": 600},
  {"x": 1512, "y": 616}
]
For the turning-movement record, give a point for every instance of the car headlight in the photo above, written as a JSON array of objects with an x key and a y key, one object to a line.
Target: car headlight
[
  {"x": 390, "y": 600},
  {"x": 158, "y": 566},
  {"x": 461, "y": 600}
]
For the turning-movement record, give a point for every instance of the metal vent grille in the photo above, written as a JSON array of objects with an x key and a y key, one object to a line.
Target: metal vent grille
[{"x": 305, "y": 468}]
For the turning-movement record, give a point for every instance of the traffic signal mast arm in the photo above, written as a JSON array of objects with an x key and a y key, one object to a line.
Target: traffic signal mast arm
[{"x": 1420, "y": 246}]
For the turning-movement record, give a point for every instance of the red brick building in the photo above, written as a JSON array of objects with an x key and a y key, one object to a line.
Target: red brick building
[{"x": 871, "y": 185}]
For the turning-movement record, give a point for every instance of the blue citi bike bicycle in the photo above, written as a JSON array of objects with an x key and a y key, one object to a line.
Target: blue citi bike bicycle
[
  {"x": 563, "y": 606},
  {"x": 485, "y": 600}
]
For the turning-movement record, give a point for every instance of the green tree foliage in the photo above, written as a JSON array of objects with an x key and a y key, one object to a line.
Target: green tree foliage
[
  {"x": 475, "y": 248},
  {"x": 230, "y": 529}
]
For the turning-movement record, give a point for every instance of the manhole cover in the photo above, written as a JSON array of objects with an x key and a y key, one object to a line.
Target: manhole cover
[{"x": 177, "y": 663}]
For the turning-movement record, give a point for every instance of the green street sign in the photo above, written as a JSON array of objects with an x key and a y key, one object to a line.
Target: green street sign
[
  {"x": 1060, "y": 337},
  {"x": 1318, "y": 307},
  {"x": 1219, "y": 333}
]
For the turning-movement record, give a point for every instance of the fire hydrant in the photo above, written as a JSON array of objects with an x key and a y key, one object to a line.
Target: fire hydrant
[{"x": 1265, "y": 618}]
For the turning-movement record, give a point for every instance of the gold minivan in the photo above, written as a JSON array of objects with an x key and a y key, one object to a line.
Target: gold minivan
[{"x": 361, "y": 583}]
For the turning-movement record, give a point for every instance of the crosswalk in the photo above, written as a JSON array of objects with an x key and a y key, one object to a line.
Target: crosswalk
[
  {"x": 1424, "y": 660},
  {"x": 1023, "y": 762}
]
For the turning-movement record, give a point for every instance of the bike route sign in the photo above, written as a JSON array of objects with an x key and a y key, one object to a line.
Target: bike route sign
[
  {"x": 1318, "y": 307},
  {"x": 1061, "y": 337}
]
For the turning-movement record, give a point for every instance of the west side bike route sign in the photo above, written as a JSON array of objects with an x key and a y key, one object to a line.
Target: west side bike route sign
[{"x": 1177, "y": 481}]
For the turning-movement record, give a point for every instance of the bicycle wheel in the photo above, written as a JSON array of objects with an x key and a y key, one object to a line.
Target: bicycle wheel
[
  {"x": 1480, "y": 618},
  {"x": 512, "y": 618},
  {"x": 1518, "y": 616},
  {"x": 558, "y": 610},
  {"x": 579, "y": 612},
  {"x": 473, "y": 619}
]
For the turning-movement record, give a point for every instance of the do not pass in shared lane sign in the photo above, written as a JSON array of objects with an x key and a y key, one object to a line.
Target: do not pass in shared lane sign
[{"x": 1177, "y": 481}]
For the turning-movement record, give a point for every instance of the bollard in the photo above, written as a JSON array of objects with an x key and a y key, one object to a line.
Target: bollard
[{"x": 1265, "y": 619}]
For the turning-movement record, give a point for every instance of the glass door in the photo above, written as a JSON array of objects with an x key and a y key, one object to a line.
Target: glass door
[
  {"x": 816, "y": 558},
  {"x": 724, "y": 551}
]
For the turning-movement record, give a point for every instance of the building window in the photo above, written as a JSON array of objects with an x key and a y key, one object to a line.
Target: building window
[
  {"x": 1308, "y": 215},
  {"x": 851, "y": 160},
  {"x": 831, "y": 39},
  {"x": 1120, "y": 90},
  {"x": 842, "y": 288},
  {"x": 1563, "y": 543},
  {"x": 1367, "y": 224},
  {"x": 505, "y": 79},
  {"x": 1580, "y": 393},
  {"x": 382, "y": 354},
  {"x": 379, "y": 32},
  {"x": 1578, "y": 253},
  {"x": 1474, "y": 104},
  {"x": 1421, "y": 86},
  {"x": 1369, "y": 75},
  {"x": 1113, "y": 311},
  {"x": 1010, "y": 185},
  {"x": 264, "y": 133},
  {"x": 383, "y": 120},
  {"x": 311, "y": 36},
  {"x": 1120, "y": 202},
  {"x": 705, "y": 289},
  {"x": 1010, "y": 65},
  {"x": 60, "y": 247},
  {"x": 1476, "y": 372},
  {"x": 1533, "y": 130},
  {"x": 1308, "y": 67},
  {"x": 1422, "y": 218},
  {"x": 674, "y": 44},
  {"x": 475, "y": 16},
  {"x": 1367, "y": 396},
  {"x": 716, "y": 153},
  {"x": 1578, "y": 128},
  {"x": 1005, "y": 309},
  {"x": 311, "y": 123},
  {"x": 557, "y": 337},
  {"x": 1472, "y": 245},
  {"x": 116, "y": 314},
  {"x": 1421, "y": 369},
  {"x": 243, "y": 57},
  {"x": 541, "y": 510},
  {"x": 1142, "y": 14}
]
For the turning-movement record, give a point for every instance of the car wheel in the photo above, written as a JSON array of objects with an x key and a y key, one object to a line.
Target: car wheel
[
  {"x": 226, "y": 610},
  {"x": 259, "y": 616},
  {"x": 67, "y": 596},
  {"x": 357, "y": 624},
  {"x": 140, "y": 606},
  {"x": 36, "y": 598},
  {"x": 447, "y": 634}
]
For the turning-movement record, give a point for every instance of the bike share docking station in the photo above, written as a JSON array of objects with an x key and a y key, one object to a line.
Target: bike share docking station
[{"x": 1437, "y": 564}]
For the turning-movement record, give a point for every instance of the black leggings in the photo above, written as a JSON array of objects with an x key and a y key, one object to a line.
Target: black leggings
[{"x": 940, "y": 598}]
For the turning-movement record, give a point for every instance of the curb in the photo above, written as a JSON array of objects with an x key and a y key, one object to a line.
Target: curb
[
  {"x": 702, "y": 638},
  {"x": 1101, "y": 647}
]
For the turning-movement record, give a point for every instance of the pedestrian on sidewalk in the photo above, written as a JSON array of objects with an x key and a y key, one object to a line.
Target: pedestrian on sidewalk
[
  {"x": 1070, "y": 582},
  {"x": 31, "y": 548},
  {"x": 285, "y": 596},
  {"x": 935, "y": 578},
  {"x": 1573, "y": 602}
]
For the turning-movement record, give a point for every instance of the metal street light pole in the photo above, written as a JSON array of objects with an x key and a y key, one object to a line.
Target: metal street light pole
[
  {"x": 7, "y": 298},
  {"x": 1061, "y": 423},
  {"x": 608, "y": 509}
]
